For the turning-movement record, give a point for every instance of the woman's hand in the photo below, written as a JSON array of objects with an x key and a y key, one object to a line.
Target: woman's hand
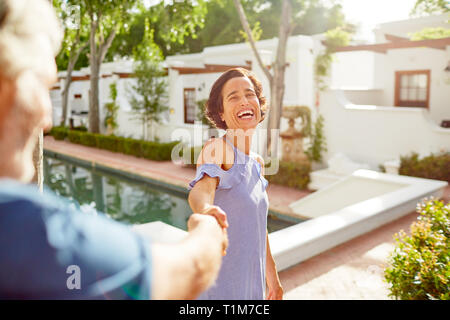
[
  {"x": 274, "y": 290},
  {"x": 218, "y": 213}
]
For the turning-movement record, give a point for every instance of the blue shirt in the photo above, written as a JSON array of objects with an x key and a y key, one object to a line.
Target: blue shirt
[{"x": 51, "y": 250}]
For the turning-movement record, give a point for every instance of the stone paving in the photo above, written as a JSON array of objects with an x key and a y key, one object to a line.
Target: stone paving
[{"x": 353, "y": 270}]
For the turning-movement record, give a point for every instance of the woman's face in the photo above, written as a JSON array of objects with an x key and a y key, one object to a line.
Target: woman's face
[{"x": 241, "y": 109}]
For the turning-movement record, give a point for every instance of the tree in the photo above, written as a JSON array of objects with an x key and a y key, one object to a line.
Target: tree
[
  {"x": 276, "y": 79},
  {"x": 149, "y": 93},
  {"x": 428, "y": 7},
  {"x": 106, "y": 18},
  {"x": 293, "y": 15},
  {"x": 74, "y": 43},
  {"x": 172, "y": 23}
]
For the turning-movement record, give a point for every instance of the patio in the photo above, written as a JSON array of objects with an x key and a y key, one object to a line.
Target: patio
[{"x": 353, "y": 270}]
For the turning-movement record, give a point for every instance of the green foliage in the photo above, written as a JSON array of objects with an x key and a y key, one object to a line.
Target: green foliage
[
  {"x": 88, "y": 139},
  {"x": 133, "y": 147},
  {"x": 59, "y": 133},
  {"x": 112, "y": 108},
  {"x": 80, "y": 128},
  {"x": 172, "y": 24},
  {"x": 74, "y": 136},
  {"x": 201, "y": 115},
  {"x": 419, "y": 266},
  {"x": 318, "y": 142},
  {"x": 430, "y": 167},
  {"x": 292, "y": 174},
  {"x": 334, "y": 38},
  {"x": 139, "y": 148},
  {"x": 429, "y": 7},
  {"x": 107, "y": 142},
  {"x": 147, "y": 97},
  {"x": 430, "y": 33},
  {"x": 72, "y": 15}
]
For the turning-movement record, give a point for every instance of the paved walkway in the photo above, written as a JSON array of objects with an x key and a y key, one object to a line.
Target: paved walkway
[{"x": 353, "y": 270}]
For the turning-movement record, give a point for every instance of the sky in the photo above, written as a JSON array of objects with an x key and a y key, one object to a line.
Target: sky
[{"x": 368, "y": 13}]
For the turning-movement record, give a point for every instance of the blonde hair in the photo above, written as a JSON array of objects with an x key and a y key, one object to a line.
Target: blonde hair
[{"x": 21, "y": 21}]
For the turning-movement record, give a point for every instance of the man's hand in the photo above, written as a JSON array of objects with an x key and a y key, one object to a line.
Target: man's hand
[
  {"x": 218, "y": 213},
  {"x": 200, "y": 221}
]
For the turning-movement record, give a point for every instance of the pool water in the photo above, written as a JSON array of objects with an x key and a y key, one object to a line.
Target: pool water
[{"x": 122, "y": 198}]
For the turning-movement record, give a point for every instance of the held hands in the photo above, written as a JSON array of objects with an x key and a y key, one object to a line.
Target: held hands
[
  {"x": 221, "y": 218},
  {"x": 199, "y": 221}
]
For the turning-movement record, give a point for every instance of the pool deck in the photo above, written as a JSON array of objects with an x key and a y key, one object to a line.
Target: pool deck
[{"x": 352, "y": 270}]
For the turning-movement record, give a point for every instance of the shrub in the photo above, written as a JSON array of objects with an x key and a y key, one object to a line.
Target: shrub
[
  {"x": 88, "y": 139},
  {"x": 75, "y": 136},
  {"x": 106, "y": 142},
  {"x": 133, "y": 147},
  {"x": 149, "y": 150},
  {"x": 166, "y": 149},
  {"x": 121, "y": 144},
  {"x": 59, "y": 133},
  {"x": 292, "y": 174},
  {"x": 431, "y": 167},
  {"x": 139, "y": 148},
  {"x": 420, "y": 263},
  {"x": 80, "y": 128}
]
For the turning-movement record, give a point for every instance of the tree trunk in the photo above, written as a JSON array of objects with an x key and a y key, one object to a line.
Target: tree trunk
[
  {"x": 94, "y": 114},
  {"x": 277, "y": 84},
  {"x": 276, "y": 79},
  {"x": 72, "y": 61},
  {"x": 96, "y": 57}
]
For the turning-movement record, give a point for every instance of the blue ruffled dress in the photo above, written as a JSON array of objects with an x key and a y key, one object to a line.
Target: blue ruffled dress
[{"x": 241, "y": 193}]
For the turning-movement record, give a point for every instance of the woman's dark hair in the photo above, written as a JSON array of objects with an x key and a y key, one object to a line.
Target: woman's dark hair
[{"x": 214, "y": 104}]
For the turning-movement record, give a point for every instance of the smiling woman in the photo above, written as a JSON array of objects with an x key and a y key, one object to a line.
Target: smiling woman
[
  {"x": 215, "y": 103},
  {"x": 230, "y": 186}
]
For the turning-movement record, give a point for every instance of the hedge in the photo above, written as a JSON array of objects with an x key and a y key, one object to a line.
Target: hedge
[
  {"x": 138, "y": 148},
  {"x": 292, "y": 174},
  {"x": 59, "y": 133},
  {"x": 434, "y": 166}
]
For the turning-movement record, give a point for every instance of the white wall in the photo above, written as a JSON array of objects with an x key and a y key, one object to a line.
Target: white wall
[{"x": 373, "y": 135}]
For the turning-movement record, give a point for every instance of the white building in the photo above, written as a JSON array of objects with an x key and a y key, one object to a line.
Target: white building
[{"x": 385, "y": 100}]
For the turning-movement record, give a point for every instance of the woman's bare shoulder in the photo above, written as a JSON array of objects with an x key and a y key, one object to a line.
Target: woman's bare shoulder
[
  {"x": 216, "y": 151},
  {"x": 260, "y": 159}
]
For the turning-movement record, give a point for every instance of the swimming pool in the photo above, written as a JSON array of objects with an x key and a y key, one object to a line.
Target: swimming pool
[{"x": 122, "y": 198}]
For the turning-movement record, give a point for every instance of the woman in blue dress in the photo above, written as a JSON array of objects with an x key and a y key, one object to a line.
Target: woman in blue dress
[{"x": 230, "y": 185}]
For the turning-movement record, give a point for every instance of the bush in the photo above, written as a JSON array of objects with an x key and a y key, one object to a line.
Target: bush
[
  {"x": 59, "y": 133},
  {"x": 292, "y": 174},
  {"x": 80, "y": 128},
  {"x": 139, "y": 148},
  {"x": 88, "y": 139},
  {"x": 75, "y": 136},
  {"x": 420, "y": 264},
  {"x": 431, "y": 167},
  {"x": 106, "y": 142},
  {"x": 133, "y": 147}
]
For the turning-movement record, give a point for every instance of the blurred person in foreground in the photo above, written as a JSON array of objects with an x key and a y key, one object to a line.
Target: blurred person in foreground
[{"x": 48, "y": 249}]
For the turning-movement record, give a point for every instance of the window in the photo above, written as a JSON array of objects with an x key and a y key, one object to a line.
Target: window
[
  {"x": 412, "y": 88},
  {"x": 189, "y": 105}
]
